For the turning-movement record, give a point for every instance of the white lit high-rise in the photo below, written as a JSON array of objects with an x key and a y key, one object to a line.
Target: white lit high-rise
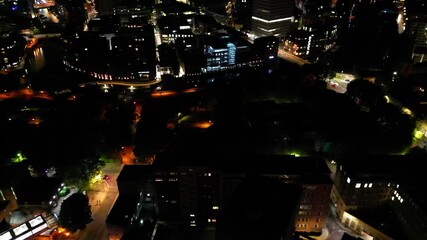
[{"x": 272, "y": 17}]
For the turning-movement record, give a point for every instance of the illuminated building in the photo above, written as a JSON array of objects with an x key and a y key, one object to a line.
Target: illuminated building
[
  {"x": 196, "y": 189},
  {"x": 367, "y": 182},
  {"x": 12, "y": 51},
  {"x": 27, "y": 229},
  {"x": 225, "y": 52},
  {"x": 220, "y": 55},
  {"x": 272, "y": 18},
  {"x": 311, "y": 43},
  {"x": 418, "y": 30},
  {"x": 317, "y": 31},
  {"x": 266, "y": 48},
  {"x": 172, "y": 27},
  {"x": 119, "y": 54}
]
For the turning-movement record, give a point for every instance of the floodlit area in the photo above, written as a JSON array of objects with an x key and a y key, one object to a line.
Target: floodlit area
[
  {"x": 420, "y": 135},
  {"x": 339, "y": 82}
]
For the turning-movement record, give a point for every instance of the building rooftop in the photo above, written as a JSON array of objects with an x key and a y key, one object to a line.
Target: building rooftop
[
  {"x": 261, "y": 208},
  {"x": 382, "y": 218},
  {"x": 401, "y": 168},
  {"x": 134, "y": 172},
  {"x": 418, "y": 194},
  {"x": 3, "y": 204},
  {"x": 123, "y": 210},
  {"x": 37, "y": 190},
  {"x": 305, "y": 169}
]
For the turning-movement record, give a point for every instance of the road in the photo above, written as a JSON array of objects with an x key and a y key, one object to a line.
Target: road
[
  {"x": 290, "y": 57},
  {"x": 106, "y": 192}
]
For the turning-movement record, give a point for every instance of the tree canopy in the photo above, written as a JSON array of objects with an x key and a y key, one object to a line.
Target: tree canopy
[{"x": 75, "y": 212}]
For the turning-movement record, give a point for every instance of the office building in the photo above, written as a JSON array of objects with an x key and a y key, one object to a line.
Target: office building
[
  {"x": 196, "y": 189},
  {"x": 418, "y": 32},
  {"x": 366, "y": 183},
  {"x": 272, "y": 18}
]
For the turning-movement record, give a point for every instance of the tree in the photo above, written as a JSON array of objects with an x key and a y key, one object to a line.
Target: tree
[
  {"x": 366, "y": 94},
  {"x": 75, "y": 212}
]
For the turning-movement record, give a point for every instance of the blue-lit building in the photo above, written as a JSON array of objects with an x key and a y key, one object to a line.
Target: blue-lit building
[{"x": 225, "y": 52}]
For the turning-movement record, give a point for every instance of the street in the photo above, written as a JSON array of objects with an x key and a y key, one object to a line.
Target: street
[
  {"x": 290, "y": 57},
  {"x": 102, "y": 198}
]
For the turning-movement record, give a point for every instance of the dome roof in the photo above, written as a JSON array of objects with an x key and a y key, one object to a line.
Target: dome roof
[{"x": 18, "y": 217}]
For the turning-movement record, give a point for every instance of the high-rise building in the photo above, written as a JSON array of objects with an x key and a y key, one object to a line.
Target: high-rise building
[
  {"x": 418, "y": 31},
  {"x": 272, "y": 18}
]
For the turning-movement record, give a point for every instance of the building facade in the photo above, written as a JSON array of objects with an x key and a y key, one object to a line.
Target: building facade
[{"x": 272, "y": 18}]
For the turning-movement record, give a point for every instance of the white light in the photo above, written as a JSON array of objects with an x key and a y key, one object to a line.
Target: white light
[
  {"x": 272, "y": 21},
  {"x": 348, "y": 180},
  {"x": 6, "y": 236},
  {"x": 358, "y": 185}
]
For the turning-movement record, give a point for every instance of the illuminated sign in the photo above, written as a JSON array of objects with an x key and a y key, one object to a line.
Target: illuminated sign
[
  {"x": 6, "y": 236},
  {"x": 20, "y": 229},
  {"x": 26, "y": 230},
  {"x": 36, "y": 221}
]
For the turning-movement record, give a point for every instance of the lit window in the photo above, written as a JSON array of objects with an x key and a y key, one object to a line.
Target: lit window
[
  {"x": 370, "y": 185},
  {"x": 365, "y": 185},
  {"x": 348, "y": 180},
  {"x": 358, "y": 185}
]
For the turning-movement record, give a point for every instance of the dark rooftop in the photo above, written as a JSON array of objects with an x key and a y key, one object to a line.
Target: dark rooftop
[
  {"x": 123, "y": 210},
  {"x": 3, "y": 204},
  {"x": 403, "y": 168},
  {"x": 37, "y": 190},
  {"x": 261, "y": 208},
  {"x": 301, "y": 169},
  {"x": 134, "y": 172},
  {"x": 382, "y": 218}
]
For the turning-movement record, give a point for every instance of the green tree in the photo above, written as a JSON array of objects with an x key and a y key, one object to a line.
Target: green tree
[{"x": 75, "y": 212}]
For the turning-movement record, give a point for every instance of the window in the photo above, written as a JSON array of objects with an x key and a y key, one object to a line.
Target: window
[{"x": 358, "y": 185}]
